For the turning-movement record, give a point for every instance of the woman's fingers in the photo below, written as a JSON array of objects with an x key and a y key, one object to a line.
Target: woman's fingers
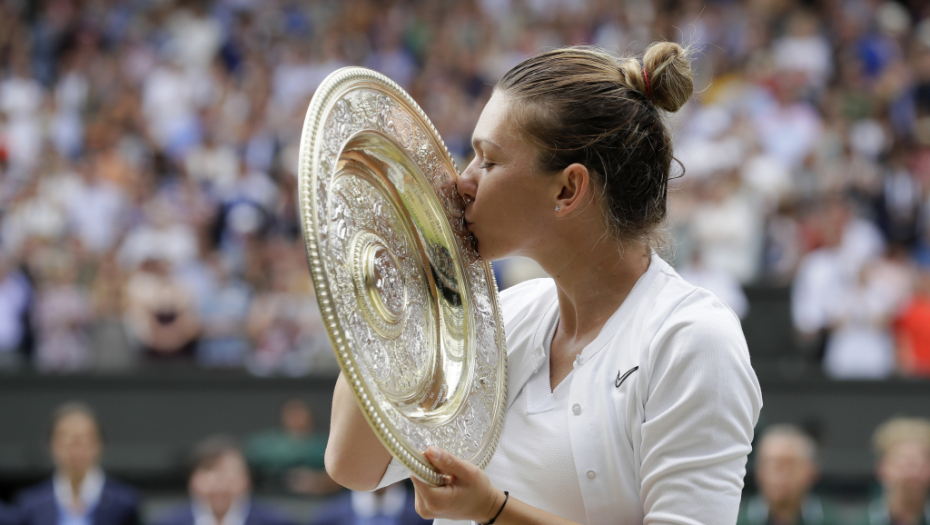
[
  {"x": 468, "y": 496},
  {"x": 447, "y": 463},
  {"x": 418, "y": 504},
  {"x": 435, "y": 502},
  {"x": 430, "y": 501}
]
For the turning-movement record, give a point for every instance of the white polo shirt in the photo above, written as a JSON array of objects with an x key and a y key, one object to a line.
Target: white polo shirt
[{"x": 661, "y": 407}]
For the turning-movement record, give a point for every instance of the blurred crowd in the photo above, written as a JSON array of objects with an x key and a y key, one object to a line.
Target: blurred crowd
[
  {"x": 807, "y": 163},
  {"x": 787, "y": 470},
  {"x": 148, "y": 208},
  {"x": 221, "y": 476}
]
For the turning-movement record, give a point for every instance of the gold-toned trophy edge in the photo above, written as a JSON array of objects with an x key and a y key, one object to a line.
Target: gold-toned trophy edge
[{"x": 330, "y": 89}]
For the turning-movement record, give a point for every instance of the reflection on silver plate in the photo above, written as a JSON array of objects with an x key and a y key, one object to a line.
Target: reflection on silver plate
[{"x": 410, "y": 308}]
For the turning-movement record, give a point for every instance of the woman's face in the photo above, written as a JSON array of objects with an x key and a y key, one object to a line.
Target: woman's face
[{"x": 509, "y": 203}]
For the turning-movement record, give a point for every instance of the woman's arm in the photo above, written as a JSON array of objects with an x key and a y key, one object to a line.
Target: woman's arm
[
  {"x": 470, "y": 496},
  {"x": 702, "y": 400},
  {"x": 355, "y": 457}
]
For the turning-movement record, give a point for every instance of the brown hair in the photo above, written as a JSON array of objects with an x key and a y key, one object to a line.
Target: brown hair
[
  {"x": 208, "y": 451},
  {"x": 784, "y": 430},
  {"x": 584, "y": 105},
  {"x": 74, "y": 408}
]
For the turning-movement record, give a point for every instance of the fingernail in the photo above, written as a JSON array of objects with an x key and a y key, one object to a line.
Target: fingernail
[{"x": 434, "y": 453}]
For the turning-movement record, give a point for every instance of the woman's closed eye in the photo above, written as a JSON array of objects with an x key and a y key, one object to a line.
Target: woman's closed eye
[{"x": 486, "y": 165}]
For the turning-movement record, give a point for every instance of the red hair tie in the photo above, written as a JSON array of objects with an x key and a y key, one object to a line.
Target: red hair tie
[{"x": 648, "y": 87}]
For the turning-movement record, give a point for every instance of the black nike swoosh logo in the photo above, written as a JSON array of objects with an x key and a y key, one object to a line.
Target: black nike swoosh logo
[{"x": 622, "y": 378}]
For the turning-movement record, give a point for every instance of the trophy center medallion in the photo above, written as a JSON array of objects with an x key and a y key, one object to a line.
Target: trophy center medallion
[{"x": 378, "y": 276}]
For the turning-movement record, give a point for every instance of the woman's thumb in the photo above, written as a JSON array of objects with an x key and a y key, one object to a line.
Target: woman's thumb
[{"x": 445, "y": 462}]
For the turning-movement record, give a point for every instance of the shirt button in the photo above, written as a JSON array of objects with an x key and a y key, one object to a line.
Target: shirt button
[
  {"x": 592, "y": 474},
  {"x": 576, "y": 409}
]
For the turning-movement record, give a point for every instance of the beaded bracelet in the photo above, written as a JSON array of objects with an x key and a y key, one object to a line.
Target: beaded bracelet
[{"x": 506, "y": 497}]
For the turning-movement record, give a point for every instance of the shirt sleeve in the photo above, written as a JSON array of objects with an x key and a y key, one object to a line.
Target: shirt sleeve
[
  {"x": 396, "y": 471},
  {"x": 702, "y": 403}
]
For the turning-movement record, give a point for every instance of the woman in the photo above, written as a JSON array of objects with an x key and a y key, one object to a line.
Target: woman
[{"x": 632, "y": 399}]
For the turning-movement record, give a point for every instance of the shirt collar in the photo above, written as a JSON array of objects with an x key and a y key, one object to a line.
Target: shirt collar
[
  {"x": 368, "y": 504},
  {"x": 757, "y": 511},
  {"x": 525, "y": 360},
  {"x": 89, "y": 493},
  {"x": 236, "y": 514}
]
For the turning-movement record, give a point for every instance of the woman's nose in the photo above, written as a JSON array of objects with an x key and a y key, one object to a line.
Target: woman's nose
[{"x": 467, "y": 183}]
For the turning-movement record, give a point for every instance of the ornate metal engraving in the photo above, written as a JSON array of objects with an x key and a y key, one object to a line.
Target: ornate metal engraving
[{"x": 410, "y": 308}]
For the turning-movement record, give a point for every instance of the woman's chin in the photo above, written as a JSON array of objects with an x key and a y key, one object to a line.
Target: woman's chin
[
  {"x": 488, "y": 253},
  {"x": 480, "y": 248}
]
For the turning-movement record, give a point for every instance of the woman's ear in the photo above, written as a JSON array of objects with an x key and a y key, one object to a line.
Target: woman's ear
[{"x": 575, "y": 188}]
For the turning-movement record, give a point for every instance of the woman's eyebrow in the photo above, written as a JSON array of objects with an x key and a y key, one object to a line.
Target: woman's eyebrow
[{"x": 475, "y": 142}]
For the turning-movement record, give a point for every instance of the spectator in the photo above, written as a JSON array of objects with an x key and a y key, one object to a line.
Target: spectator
[
  {"x": 912, "y": 331},
  {"x": 836, "y": 302},
  {"x": 213, "y": 165},
  {"x": 62, "y": 315},
  {"x": 902, "y": 446},
  {"x": 162, "y": 236},
  {"x": 391, "y": 505},
  {"x": 15, "y": 297},
  {"x": 220, "y": 490},
  {"x": 79, "y": 493},
  {"x": 728, "y": 229},
  {"x": 292, "y": 456},
  {"x": 860, "y": 344},
  {"x": 32, "y": 218},
  {"x": 223, "y": 311},
  {"x": 21, "y": 98},
  {"x": 285, "y": 326},
  {"x": 786, "y": 469},
  {"x": 804, "y": 50},
  {"x": 169, "y": 102},
  {"x": 97, "y": 210},
  {"x": 161, "y": 314},
  {"x": 107, "y": 295},
  {"x": 821, "y": 278}
]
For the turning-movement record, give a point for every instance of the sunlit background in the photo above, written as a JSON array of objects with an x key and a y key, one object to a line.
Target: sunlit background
[{"x": 152, "y": 263}]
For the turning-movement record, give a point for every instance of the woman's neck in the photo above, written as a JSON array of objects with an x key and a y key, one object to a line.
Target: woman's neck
[{"x": 592, "y": 283}]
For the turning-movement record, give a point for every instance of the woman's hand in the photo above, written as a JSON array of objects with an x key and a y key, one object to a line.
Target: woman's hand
[{"x": 468, "y": 496}]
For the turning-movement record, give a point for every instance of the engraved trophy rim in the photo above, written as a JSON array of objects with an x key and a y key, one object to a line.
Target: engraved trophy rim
[{"x": 381, "y": 410}]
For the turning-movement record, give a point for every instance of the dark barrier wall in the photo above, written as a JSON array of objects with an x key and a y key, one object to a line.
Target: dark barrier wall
[{"x": 150, "y": 421}]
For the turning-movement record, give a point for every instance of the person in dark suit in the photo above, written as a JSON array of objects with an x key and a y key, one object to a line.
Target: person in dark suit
[
  {"x": 220, "y": 490},
  {"x": 786, "y": 470},
  {"x": 391, "y": 505},
  {"x": 79, "y": 493}
]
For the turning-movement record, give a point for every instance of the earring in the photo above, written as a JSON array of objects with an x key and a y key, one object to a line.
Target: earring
[{"x": 557, "y": 208}]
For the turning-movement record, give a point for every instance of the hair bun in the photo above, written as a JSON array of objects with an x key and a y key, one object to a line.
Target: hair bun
[{"x": 669, "y": 70}]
